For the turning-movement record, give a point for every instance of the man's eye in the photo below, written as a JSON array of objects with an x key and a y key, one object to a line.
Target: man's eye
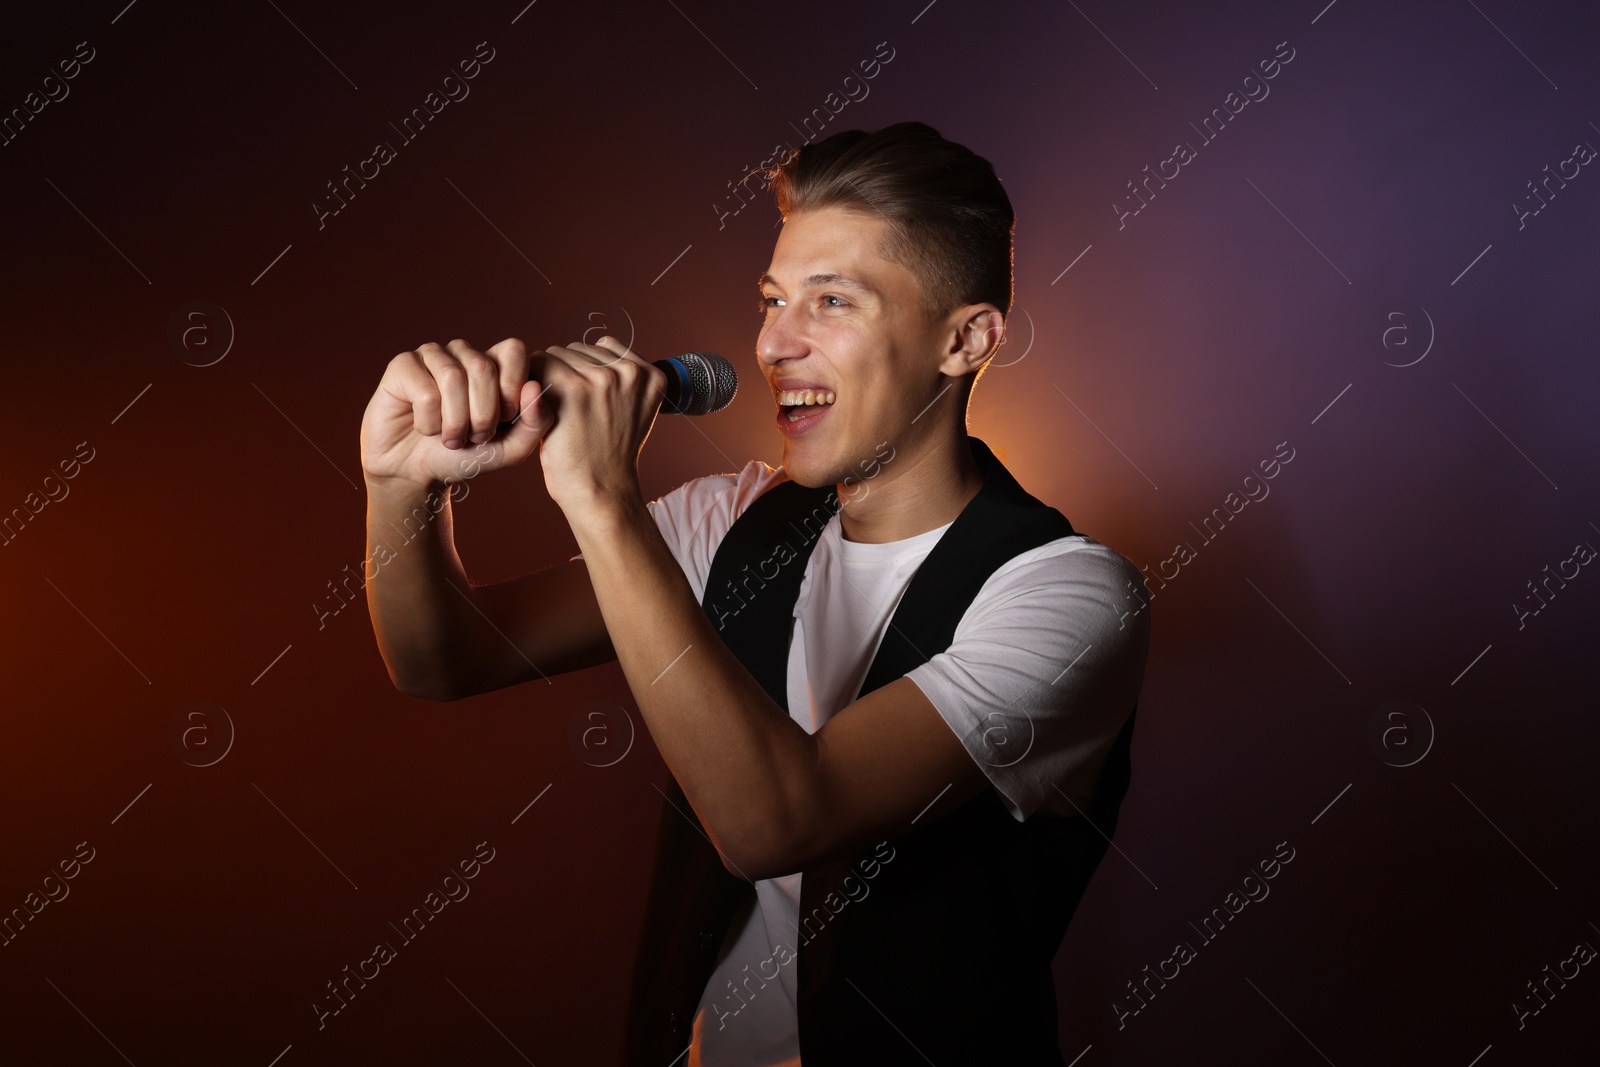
[{"x": 766, "y": 303}]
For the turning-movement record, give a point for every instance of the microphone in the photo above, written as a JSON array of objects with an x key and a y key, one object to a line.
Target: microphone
[{"x": 698, "y": 383}]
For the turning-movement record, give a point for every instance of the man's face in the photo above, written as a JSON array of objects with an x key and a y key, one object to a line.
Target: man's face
[{"x": 841, "y": 317}]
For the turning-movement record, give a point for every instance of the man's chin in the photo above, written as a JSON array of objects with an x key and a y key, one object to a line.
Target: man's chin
[{"x": 806, "y": 475}]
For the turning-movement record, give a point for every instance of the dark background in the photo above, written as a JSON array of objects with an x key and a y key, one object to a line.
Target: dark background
[{"x": 1443, "y": 847}]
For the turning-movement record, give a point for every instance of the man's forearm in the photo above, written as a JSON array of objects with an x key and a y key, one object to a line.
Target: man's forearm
[
  {"x": 744, "y": 764},
  {"x": 413, "y": 577}
]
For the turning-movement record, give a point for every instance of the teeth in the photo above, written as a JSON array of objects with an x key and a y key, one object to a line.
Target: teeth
[{"x": 791, "y": 397}]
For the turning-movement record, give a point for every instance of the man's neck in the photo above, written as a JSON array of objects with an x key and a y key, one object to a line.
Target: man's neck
[{"x": 912, "y": 494}]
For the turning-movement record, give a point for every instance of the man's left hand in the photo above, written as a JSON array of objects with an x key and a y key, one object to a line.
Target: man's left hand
[{"x": 598, "y": 403}]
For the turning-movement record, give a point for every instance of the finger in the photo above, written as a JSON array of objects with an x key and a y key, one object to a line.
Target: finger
[
  {"x": 519, "y": 436},
  {"x": 522, "y": 437},
  {"x": 512, "y": 355},
  {"x": 411, "y": 382},
  {"x": 454, "y": 409},
  {"x": 610, "y": 350},
  {"x": 483, "y": 390},
  {"x": 613, "y": 352},
  {"x": 556, "y": 363},
  {"x": 554, "y": 371},
  {"x": 580, "y": 356}
]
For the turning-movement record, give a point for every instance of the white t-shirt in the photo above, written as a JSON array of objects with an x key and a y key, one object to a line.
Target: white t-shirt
[{"x": 1044, "y": 668}]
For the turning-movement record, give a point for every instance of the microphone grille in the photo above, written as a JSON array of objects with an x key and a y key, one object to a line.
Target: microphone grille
[{"x": 712, "y": 382}]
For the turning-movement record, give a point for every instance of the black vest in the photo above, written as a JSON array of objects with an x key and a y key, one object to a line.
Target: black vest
[{"x": 946, "y": 953}]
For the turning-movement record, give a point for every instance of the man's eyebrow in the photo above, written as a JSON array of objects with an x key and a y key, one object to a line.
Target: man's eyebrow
[{"x": 824, "y": 279}]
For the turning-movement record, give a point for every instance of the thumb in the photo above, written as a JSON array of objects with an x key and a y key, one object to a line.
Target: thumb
[{"x": 523, "y": 438}]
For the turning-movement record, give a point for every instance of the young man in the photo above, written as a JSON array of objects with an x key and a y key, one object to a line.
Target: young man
[{"x": 894, "y": 690}]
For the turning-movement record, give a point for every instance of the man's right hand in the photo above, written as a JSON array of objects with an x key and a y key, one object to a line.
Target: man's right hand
[{"x": 436, "y": 410}]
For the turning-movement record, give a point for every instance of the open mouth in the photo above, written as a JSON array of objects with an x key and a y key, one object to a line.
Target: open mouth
[
  {"x": 795, "y": 419},
  {"x": 804, "y": 402}
]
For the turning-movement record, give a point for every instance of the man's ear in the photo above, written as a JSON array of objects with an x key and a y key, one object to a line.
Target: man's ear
[{"x": 978, "y": 330}]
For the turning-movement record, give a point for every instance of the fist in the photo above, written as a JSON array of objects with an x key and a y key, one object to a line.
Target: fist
[
  {"x": 435, "y": 413},
  {"x": 596, "y": 407}
]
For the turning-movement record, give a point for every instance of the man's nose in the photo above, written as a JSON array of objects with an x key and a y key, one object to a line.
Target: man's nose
[{"x": 780, "y": 339}]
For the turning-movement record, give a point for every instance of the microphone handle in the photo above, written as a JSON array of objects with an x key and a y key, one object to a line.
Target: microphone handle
[
  {"x": 679, "y": 392},
  {"x": 678, "y": 395}
]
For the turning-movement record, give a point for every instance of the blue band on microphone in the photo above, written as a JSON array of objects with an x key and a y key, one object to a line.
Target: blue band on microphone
[{"x": 677, "y": 386}]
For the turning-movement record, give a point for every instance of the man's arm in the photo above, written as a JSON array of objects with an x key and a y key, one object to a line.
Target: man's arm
[
  {"x": 443, "y": 638},
  {"x": 773, "y": 798},
  {"x": 433, "y": 420}
]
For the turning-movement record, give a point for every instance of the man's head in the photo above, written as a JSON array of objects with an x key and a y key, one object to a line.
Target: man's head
[{"x": 889, "y": 286}]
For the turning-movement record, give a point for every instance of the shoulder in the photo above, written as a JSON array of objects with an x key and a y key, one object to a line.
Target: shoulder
[
  {"x": 694, "y": 517},
  {"x": 1047, "y": 663},
  {"x": 716, "y": 496},
  {"x": 1072, "y": 602},
  {"x": 1058, "y": 598},
  {"x": 1075, "y": 567}
]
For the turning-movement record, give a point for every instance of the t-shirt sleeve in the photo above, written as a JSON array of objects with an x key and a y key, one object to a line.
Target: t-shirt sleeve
[
  {"x": 694, "y": 518},
  {"x": 1044, "y": 670}
]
